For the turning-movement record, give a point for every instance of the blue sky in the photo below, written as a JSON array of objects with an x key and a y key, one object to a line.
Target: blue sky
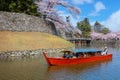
[{"x": 107, "y": 12}]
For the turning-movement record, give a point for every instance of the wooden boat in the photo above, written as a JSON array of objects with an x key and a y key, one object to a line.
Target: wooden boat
[{"x": 92, "y": 57}]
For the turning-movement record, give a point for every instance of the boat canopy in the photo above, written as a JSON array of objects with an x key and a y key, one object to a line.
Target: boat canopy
[
  {"x": 86, "y": 50},
  {"x": 65, "y": 51}
]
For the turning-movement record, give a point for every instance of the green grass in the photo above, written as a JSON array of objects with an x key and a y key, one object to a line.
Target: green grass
[{"x": 10, "y": 41}]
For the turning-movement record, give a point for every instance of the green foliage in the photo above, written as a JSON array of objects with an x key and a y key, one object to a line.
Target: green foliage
[
  {"x": 105, "y": 30},
  {"x": 100, "y": 28},
  {"x": 19, "y": 6},
  {"x": 85, "y": 27}
]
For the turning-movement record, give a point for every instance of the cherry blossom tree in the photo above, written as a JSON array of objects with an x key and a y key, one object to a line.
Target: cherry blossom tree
[
  {"x": 48, "y": 9},
  {"x": 95, "y": 35},
  {"x": 118, "y": 34}
]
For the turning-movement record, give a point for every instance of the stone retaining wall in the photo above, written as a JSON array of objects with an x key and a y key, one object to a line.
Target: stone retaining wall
[
  {"x": 32, "y": 52},
  {"x": 23, "y": 23}
]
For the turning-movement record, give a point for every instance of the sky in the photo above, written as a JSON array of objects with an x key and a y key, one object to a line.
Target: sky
[{"x": 107, "y": 12}]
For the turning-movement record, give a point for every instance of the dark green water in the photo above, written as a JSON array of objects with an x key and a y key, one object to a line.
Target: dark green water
[{"x": 36, "y": 68}]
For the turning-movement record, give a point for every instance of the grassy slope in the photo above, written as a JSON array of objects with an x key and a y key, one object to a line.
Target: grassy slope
[{"x": 30, "y": 40}]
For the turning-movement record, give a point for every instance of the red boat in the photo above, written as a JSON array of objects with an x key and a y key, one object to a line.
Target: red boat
[{"x": 92, "y": 56}]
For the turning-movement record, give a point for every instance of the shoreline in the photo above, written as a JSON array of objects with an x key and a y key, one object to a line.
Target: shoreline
[
  {"x": 32, "y": 52},
  {"x": 105, "y": 42}
]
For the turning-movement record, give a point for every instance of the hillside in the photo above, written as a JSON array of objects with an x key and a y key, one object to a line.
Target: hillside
[{"x": 30, "y": 41}]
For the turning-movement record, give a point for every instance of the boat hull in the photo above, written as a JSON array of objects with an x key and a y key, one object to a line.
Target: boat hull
[{"x": 73, "y": 61}]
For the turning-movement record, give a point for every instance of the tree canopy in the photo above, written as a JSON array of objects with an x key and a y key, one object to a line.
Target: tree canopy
[
  {"x": 111, "y": 35},
  {"x": 100, "y": 28},
  {"x": 105, "y": 30},
  {"x": 97, "y": 27},
  {"x": 19, "y": 6},
  {"x": 85, "y": 27}
]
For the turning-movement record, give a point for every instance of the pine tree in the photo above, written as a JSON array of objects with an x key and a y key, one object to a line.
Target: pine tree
[{"x": 19, "y": 6}]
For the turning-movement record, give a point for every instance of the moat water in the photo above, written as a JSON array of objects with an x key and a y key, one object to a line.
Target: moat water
[{"x": 36, "y": 68}]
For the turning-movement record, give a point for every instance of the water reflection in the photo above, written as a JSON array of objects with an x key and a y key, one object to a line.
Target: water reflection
[
  {"x": 75, "y": 72},
  {"x": 22, "y": 68}
]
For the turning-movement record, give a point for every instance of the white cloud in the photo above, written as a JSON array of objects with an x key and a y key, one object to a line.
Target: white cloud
[
  {"x": 98, "y": 7},
  {"x": 113, "y": 22},
  {"x": 81, "y": 1}
]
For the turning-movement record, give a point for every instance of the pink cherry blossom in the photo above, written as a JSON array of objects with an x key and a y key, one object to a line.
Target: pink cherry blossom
[
  {"x": 95, "y": 35},
  {"x": 48, "y": 8}
]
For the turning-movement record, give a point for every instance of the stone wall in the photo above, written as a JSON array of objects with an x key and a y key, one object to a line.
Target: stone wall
[
  {"x": 26, "y": 53},
  {"x": 23, "y": 22}
]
